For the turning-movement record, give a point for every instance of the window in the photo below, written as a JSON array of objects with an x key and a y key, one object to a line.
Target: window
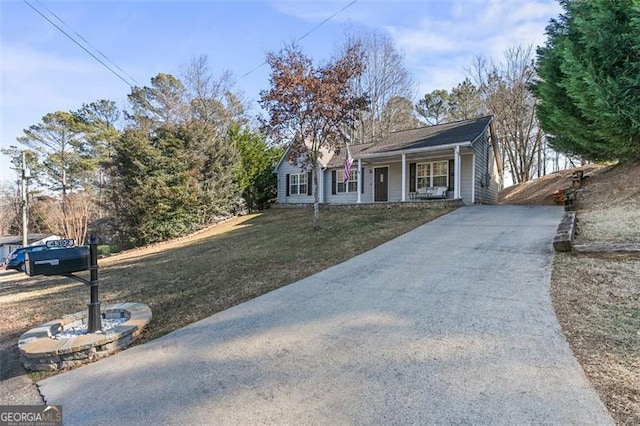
[
  {"x": 423, "y": 175},
  {"x": 440, "y": 173},
  {"x": 352, "y": 185},
  {"x": 432, "y": 174},
  {"x": 298, "y": 184}
]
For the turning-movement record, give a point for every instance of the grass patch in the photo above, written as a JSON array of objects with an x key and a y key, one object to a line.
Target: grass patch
[
  {"x": 609, "y": 207},
  {"x": 191, "y": 278},
  {"x": 597, "y": 303}
]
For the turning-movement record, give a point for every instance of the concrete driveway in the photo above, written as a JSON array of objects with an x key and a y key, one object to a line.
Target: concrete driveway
[{"x": 449, "y": 324}]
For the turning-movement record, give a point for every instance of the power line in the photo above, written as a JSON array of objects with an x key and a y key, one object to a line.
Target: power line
[
  {"x": 86, "y": 41},
  {"x": 305, "y": 35},
  {"x": 79, "y": 45},
  {"x": 325, "y": 21}
]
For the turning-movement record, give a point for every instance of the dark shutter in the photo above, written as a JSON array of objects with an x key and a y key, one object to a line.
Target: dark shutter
[
  {"x": 287, "y": 184},
  {"x": 309, "y": 184},
  {"x": 412, "y": 177},
  {"x": 451, "y": 175},
  {"x": 333, "y": 182},
  {"x": 362, "y": 180}
]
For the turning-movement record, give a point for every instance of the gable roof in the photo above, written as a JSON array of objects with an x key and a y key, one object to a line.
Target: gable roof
[
  {"x": 465, "y": 131},
  {"x": 326, "y": 157},
  {"x": 457, "y": 132},
  {"x": 355, "y": 150}
]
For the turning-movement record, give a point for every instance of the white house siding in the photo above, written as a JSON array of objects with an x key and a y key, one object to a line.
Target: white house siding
[
  {"x": 466, "y": 179},
  {"x": 395, "y": 182},
  {"x": 285, "y": 169},
  {"x": 367, "y": 195},
  {"x": 487, "y": 186},
  {"x": 348, "y": 197}
]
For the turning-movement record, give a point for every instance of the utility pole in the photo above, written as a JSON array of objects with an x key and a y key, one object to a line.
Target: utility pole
[{"x": 25, "y": 175}]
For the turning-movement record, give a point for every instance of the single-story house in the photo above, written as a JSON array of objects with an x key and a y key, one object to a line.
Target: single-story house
[
  {"x": 461, "y": 160},
  {"x": 11, "y": 242}
]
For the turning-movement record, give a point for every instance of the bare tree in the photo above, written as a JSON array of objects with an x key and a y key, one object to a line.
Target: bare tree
[
  {"x": 211, "y": 96},
  {"x": 9, "y": 209},
  {"x": 70, "y": 220},
  {"x": 312, "y": 107},
  {"x": 384, "y": 78},
  {"x": 505, "y": 92}
]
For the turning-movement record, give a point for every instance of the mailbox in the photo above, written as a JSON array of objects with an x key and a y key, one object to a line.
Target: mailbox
[{"x": 57, "y": 261}]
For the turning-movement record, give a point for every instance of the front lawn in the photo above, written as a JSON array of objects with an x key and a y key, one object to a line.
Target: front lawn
[{"x": 194, "y": 277}]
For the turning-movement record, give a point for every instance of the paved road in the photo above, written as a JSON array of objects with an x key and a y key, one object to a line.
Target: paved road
[
  {"x": 448, "y": 324},
  {"x": 16, "y": 388}
]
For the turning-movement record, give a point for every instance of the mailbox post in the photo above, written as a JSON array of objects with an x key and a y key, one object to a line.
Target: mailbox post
[
  {"x": 95, "y": 320},
  {"x": 66, "y": 259}
]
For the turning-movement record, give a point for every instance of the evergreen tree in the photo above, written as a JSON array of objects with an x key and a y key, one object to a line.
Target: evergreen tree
[
  {"x": 589, "y": 80},
  {"x": 434, "y": 107},
  {"x": 255, "y": 174},
  {"x": 153, "y": 189},
  {"x": 464, "y": 101},
  {"x": 56, "y": 141}
]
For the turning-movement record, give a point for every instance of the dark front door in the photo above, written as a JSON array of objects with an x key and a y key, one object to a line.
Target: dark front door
[{"x": 381, "y": 186}]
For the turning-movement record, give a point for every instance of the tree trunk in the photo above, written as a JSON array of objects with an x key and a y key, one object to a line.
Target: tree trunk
[{"x": 316, "y": 196}]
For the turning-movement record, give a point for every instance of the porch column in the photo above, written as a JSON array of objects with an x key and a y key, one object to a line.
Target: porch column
[
  {"x": 360, "y": 177},
  {"x": 321, "y": 185},
  {"x": 456, "y": 172},
  {"x": 404, "y": 177}
]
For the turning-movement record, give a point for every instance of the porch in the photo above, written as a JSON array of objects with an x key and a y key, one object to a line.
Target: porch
[{"x": 404, "y": 177}]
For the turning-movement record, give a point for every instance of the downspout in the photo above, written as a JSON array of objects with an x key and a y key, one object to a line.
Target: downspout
[
  {"x": 496, "y": 153},
  {"x": 473, "y": 180}
]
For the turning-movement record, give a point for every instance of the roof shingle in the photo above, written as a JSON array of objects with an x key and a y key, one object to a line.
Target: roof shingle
[{"x": 431, "y": 136}]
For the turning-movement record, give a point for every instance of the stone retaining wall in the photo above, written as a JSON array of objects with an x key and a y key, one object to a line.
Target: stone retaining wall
[
  {"x": 431, "y": 204},
  {"x": 563, "y": 240}
]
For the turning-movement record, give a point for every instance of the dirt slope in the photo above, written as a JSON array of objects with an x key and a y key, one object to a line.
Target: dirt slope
[{"x": 540, "y": 191}]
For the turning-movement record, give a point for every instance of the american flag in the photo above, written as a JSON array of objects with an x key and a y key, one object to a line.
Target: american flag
[{"x": 347, "y": 165}]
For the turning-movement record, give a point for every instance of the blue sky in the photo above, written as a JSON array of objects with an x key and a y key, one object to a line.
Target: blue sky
[{"x": 43, "y": 71}]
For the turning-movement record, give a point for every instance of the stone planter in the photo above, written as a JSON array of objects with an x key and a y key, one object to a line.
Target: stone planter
[{"x": 41, "y": 350}]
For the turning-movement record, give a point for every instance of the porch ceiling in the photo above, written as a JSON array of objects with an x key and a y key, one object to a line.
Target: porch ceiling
[{"x": 411, "y": 157}]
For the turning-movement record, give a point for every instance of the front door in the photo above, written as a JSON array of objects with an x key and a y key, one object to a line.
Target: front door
[{"x": 381, "y": 186}]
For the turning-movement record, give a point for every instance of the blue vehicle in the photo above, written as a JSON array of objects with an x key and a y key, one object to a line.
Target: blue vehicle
[{"x": 17, "y": 257}]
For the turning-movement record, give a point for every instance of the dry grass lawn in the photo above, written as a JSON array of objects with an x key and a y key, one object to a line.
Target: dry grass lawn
[
  {"x": 192, "y": 278},
  {"x": 597, "y": 301},
  {"x": 609, "y": 206}
]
